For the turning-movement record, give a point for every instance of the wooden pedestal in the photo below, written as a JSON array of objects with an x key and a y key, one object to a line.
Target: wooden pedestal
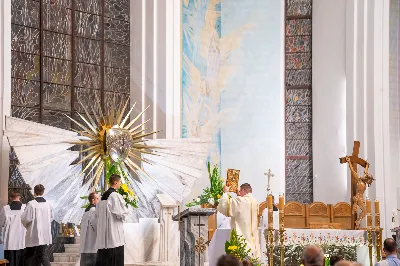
[
  {"x": 212, "y": 225},
  {"x": 212, "y": 221}
]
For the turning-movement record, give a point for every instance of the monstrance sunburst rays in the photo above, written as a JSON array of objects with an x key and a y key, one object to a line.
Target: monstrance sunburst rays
[{"x": 113, "y": 136}]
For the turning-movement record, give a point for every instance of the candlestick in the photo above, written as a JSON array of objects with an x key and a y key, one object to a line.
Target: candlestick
[
  {"x": 281, "y": 202},
  {"x": 368, "y": 203},
  {"x": 377, "y": 206},
  {"x": 270, "y": 229},
  {"x": 269, "y": 201},
  {"x": 378, "y": 231}
]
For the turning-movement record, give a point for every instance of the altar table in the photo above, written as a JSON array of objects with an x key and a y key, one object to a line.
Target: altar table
[{"x": 298, "y": 237}]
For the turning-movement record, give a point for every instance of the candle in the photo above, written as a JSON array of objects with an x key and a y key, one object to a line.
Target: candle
[
  {"x": 281, "y": 202},
  {"x": 368, "y": 203},
  {"x": 269, "y": 198},
  {"x": 376, "y": 206}
]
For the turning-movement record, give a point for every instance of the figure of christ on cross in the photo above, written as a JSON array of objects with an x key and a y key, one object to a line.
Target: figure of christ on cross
[
  {"x": 269, "y": 175},
  {"x": 358, "y": 184}
]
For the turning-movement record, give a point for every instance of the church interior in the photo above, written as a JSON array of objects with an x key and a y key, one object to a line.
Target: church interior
[{"x": 253, "y": 128}]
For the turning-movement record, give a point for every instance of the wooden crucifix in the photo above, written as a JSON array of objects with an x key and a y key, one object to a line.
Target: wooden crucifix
[{"x": 355, "y": 161}]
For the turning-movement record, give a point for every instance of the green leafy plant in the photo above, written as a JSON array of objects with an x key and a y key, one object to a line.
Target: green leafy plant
[
  {"x": 212, "y": 194},
  {"x": 237, "y": 247},
  {"x": 127, "y": 194},
  {"x": 113, "y": 168}
]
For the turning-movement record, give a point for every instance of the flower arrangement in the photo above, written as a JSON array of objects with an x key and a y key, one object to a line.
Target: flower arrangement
[
  {"x": 128, "y": 195},
  {"x": 237, "y": 247},
  {"x": 212, "y": 194}
]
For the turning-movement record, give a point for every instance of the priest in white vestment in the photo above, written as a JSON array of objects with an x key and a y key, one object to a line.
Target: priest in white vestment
[
  {"x": 37, "y": 219},
  {"x": 110, "y": 215},
  {"x": 243, "y": 211},
  {"x": 88, "y": 233},
  {"x": 13, "y": 231}
]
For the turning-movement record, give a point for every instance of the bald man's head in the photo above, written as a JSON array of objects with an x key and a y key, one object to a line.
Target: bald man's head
[{"x": 313, "y": 256}]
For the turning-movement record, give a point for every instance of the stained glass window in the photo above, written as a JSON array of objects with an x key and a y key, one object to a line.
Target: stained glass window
[
  {"x": 299, "y": 179},
  {"x": 67, "y": 52}
]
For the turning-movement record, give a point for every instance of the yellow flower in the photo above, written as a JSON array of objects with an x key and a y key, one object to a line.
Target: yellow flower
[
  {"x": 125, "y": 187},
  {"x": 233, "y": 248},
  {"x": 130, "y": 192},
  {"x": 219, "y": 196}
]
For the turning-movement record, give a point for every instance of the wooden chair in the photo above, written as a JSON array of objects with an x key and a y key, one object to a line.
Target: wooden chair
[
  {"x": 3, "y": 262},
  {"x": 295, "y": 215},
  {"x": 318, "y": 213},
  {"x": 261, "y": 208},
  {"x": 341, "y": 213}
]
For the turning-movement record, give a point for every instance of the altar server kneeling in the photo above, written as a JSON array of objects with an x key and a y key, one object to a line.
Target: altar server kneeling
[
  {"x": 13, "y": 231},
  {"x": 110, "y": 214},
  {"x": 88, "y": 233},
  {"x": 37, "y": 219}
]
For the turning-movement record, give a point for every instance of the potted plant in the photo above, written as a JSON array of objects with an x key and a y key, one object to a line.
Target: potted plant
[
  {"x": 237, "y": 247},
  {"x": 211, "y": 195}
]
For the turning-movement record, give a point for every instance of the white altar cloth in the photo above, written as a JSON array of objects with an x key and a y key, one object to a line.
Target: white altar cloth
[
  {"x": 302, "y": 237},
  {"x": 142, "y": 242}
]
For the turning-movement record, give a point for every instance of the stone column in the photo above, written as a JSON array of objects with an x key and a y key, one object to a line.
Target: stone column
[
  {"x": 5, "y": 93},
  {"x": 194, "y": 236},
  {"x": 167, "y": 229}
]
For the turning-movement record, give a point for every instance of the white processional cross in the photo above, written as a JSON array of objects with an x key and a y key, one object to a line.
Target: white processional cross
[{"x": 269, "y": 175}]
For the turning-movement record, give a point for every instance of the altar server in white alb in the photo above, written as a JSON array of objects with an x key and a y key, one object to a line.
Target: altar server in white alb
[
  {"x": 37, "y": 219},
  {"x": 243, "y": 211},
  {"x": 88, "y": 233},
  {"x": 110, "y": 214},
  {"x": 13, "y": 231}
]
